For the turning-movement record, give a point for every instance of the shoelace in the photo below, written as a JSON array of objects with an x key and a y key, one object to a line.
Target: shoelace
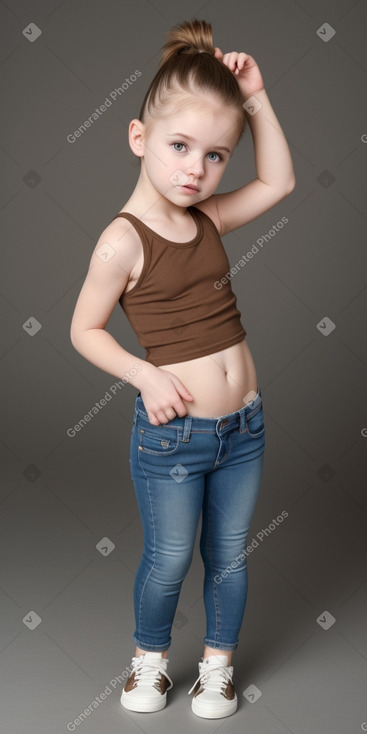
[
  {"x": 211, "y": 676},
  {"x": 148, "y": 673}
]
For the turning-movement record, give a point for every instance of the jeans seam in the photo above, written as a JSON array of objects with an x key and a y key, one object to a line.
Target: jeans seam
[
  {"x": 214, "y": 586},
  {"x": 154, "y": 550}
]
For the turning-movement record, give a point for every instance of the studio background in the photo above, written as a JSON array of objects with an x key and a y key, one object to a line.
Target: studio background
[{"x": 71, "y": 536}]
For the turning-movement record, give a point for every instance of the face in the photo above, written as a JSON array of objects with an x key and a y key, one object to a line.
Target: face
[{"x": 192, "y": 147}]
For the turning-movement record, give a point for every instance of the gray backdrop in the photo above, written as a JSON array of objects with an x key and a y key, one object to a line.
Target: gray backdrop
[{"x": 71, "y": 535}]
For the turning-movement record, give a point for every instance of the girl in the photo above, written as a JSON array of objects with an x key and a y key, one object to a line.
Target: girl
[{"x": 198, "y": 434}]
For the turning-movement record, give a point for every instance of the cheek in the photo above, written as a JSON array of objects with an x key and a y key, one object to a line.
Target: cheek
[
  {"x": 216, "y": 172},
  {"x": 158, "y": 170}
]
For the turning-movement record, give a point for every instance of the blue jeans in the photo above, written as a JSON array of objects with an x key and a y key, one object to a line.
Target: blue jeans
[{"x": 179, "y": 469}]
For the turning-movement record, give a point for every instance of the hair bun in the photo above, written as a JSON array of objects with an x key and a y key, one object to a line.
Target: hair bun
[{"x": 190, "y": 37}]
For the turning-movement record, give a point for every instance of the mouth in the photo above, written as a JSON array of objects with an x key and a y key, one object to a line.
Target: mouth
[{"x": 192, "y": 187}]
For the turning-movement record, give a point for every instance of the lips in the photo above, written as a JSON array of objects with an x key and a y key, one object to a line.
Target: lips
[{"x": 191, "y": 186}]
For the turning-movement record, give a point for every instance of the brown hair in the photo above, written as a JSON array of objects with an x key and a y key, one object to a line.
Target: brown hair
[{"x": 188, "y": 64}]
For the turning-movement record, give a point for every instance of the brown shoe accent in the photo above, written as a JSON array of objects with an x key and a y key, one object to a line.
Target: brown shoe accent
[
  {"x": 228, "y": 692},
  {"x": 198, "y": 689},
  {"x": 161, "y": 685},
  {"x": 130, "y": 683}
]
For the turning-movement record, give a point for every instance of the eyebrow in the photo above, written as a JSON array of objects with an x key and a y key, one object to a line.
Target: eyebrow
[{"x": 188, "y": 137}]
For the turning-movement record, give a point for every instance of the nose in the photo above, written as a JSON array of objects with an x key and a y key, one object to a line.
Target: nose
[{"x": 196, "y": 167}]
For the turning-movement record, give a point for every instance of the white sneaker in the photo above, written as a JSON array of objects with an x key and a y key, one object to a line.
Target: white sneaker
[
  {"x": 214, "y": 694},
  {"x": 146, "y": 688}
]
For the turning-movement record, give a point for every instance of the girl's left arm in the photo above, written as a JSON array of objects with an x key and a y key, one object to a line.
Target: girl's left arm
[{"x": 275, "y": 174}]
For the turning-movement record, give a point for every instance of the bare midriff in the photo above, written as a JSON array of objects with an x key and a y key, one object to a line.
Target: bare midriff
[{"x": 220, "y": 383}]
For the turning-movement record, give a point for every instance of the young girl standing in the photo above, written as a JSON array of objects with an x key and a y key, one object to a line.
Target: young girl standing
[{"x": 198, "y": 434}]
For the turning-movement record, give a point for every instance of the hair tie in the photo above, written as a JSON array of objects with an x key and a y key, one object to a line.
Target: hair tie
[{"x": 193, "y": 50}]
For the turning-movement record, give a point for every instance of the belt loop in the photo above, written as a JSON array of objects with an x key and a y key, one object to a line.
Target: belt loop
[
  {"x": 243, "y": 420},
  {"x": 187, "y": 428}
]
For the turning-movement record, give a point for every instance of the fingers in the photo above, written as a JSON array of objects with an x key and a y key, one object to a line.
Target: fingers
[
  {"x": 161, "y": 418},
  {"x": 235, "y": 60},
  {"x": 167, "y": 414}
]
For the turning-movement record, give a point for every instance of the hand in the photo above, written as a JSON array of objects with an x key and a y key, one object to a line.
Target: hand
[
  {"x": 245, "y": 70},
  {"x": 161, "y": 394}
]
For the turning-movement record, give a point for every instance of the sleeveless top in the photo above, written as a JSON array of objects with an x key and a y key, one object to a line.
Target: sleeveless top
[{"x": 178, "y": 308}]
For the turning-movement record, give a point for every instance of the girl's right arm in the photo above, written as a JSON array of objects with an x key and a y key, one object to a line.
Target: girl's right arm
[{"x": 106, "y": 280}]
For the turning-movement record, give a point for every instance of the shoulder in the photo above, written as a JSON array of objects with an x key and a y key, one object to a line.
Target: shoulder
[
  {"x": 119, "y": 243},
  {"x": 122, "y": 235},
  {"x": 121, "y": 229},
  {"x": 209, "y": 207}
]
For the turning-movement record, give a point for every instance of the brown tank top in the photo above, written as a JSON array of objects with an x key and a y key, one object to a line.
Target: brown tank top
[{"x": 178, "y": 308}]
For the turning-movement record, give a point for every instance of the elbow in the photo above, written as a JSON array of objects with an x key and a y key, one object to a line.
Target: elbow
[
  {"x": 75, "y": 333},
  {"x": 77, "y": 336},
  {"x": 291, "y": 185},
  {"x": 74, "y": 338},
  {"x": 287, "y": 189}
]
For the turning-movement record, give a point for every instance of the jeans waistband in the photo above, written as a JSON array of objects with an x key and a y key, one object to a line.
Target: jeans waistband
[{"x": 225, "y": 422}]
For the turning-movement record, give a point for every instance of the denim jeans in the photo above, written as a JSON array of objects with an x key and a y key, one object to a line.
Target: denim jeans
[{"x": 179, "y": 469}]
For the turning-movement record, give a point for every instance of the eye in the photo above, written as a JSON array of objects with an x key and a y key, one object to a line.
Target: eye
[
  {"x": 178, "y": 151},
  {"x": 219, "y": 157}
]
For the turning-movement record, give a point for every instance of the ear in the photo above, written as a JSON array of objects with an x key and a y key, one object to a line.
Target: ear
[{"x": 136, "y": 131}]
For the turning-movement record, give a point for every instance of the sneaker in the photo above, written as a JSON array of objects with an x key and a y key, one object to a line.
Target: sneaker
[
  {"x": 146, "y": 688},
  {"x": 214, "y": 694}
]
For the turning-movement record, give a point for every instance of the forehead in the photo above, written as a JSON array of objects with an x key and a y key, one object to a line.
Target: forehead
[{"x": 206, "y": 119}]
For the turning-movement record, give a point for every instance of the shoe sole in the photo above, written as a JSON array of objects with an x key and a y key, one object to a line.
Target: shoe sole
[
  {"x": 142, "y": 706},
  {"x": 213, "y": 712}
]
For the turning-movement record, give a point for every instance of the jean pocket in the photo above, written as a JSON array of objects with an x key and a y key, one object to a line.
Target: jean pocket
[
  {"x": 255, "y": 424},
  {"x": 159, "y": 441}
]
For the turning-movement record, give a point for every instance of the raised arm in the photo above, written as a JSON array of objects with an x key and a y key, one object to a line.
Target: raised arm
[{"x": 275, "y": 174}]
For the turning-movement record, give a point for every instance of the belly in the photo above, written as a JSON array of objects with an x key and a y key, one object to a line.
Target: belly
[{"x": 219, "y": 383}]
